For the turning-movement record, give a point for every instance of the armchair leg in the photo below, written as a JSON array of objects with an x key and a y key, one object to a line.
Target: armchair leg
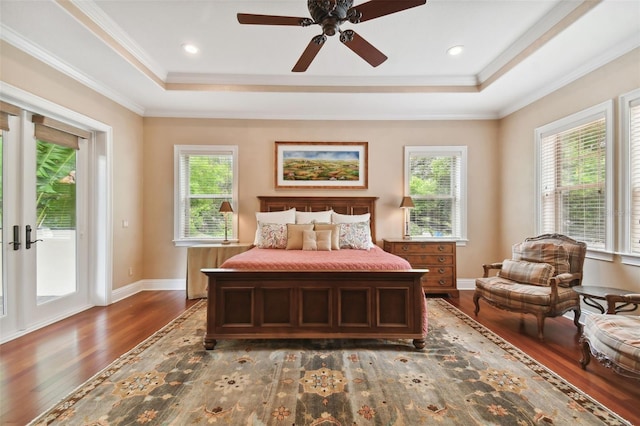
[
  {"x": 476, "y": 298},
  {"x": 541, "y": 327},
  {"x": 586, "y": 353}
]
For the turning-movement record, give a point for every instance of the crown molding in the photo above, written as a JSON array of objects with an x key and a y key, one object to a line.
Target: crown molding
[
  {"x": 97, "y": 16},
  {"x": 590, "y": 66},
  {"x": 31, "y": 49}
]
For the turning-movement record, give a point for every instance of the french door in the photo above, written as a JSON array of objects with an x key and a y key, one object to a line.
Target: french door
[{"x": 43, "y": 212}]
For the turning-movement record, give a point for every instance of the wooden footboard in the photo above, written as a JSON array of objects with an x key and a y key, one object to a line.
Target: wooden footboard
[{"x": 314, "y": 305}]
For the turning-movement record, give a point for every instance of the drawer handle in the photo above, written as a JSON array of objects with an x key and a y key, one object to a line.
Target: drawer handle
[
  {"x": 441, "y": 271},
  {"x": 441, "y": 259},
  {"x": 440, "y": 248},
  {"x": 405, "y": 247},
  {"x": 442, "y": 282}
]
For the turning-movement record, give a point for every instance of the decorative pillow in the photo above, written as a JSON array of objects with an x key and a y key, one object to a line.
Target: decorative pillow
[
  {"x": 309, "y": 242},
  {"x": 533, "y": 273},
  {"x": 323, "y": 240},
  {"x": 350, "y": 218},
  {"x": 294, "y": 235},
  {"x": 272, "y": 235},
  {"x": 543, "y": 252},
  {"x": 355, "y": 235},
  {"x": 316, "y": 240},
  {"x": 285, "y": 216},
  {"x": 312, "y": 217},
  {"x": 335, "y": 233}
]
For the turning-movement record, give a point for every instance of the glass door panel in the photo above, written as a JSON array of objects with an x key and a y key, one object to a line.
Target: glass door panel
[{"x": 56, "y": 221}]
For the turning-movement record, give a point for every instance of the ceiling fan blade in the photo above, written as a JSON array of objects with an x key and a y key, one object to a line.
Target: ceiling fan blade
[
  {"x": 248, "y": 18},
  {"x": 309, "y": 53},
  {"x": 377, "y": 8},
  {"x": 362, "y": 48}
]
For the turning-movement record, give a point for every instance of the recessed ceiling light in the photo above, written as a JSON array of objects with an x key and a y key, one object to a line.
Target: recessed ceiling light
[
  {"x": 455, "y": 50},
  {"x": 190, "y": 48}
]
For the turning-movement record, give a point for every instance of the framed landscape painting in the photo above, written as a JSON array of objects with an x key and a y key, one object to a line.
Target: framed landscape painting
[{"x": 339, "y": 165}]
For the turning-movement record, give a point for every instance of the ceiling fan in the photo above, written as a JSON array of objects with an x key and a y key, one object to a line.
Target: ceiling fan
[{"x": 330, "y": 15}]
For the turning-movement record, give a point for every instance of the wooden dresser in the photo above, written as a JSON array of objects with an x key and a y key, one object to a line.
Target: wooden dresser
[{"x": 437, "y": 256}]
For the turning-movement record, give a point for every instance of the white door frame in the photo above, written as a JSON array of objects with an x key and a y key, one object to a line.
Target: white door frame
[{"x": 99, "y": 203}]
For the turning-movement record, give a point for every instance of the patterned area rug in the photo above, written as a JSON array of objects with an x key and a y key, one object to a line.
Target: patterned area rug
[{"x": 466, "y": 376}]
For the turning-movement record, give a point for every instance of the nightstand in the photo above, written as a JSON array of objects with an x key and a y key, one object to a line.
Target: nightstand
[{"x": 439, "y": 257}]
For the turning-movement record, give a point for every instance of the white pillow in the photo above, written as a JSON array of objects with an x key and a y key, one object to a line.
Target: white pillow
[
  {"x": 312, "y": 217},
  {"x": 350, "y": 218},
  {"x": 282, "y": 217}
]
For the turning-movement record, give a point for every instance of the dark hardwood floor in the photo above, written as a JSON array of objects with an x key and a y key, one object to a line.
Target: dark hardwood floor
[
  {"x": 560, "y": 352},
  {"x": 39, "y": 369}
]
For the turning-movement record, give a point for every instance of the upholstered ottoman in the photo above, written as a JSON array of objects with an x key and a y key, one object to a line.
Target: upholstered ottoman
[{"x": 614, "y": 340}]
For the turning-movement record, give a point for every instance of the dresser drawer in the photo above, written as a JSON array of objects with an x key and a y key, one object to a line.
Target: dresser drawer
[
  {"x": 418, "y": 247},
  {"x": 424, "y": 260},
  {"x": 439, "y": 277}
]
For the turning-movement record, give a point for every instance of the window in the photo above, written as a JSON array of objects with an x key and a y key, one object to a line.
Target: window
[
  {"x": 574, "y": 183},
  {"x": 436, "y": 181},
  {"x": 630, "y": 217},
  {"x": 205, "y": 176}
]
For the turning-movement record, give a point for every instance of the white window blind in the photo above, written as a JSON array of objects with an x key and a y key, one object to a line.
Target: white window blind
[
  {"x": 436, "y": 182},
  {"x": 206, "y": 177},
  {"x": 634, "y": 177},
  {"x": 573, "y": 190}
]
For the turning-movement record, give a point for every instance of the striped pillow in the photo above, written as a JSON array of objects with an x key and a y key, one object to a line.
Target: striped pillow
[{"x": 527, "y": 272}]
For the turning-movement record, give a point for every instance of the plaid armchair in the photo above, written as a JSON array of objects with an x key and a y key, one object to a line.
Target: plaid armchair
[
  {"x": 536, "y": 280},
  {"x": 613, "y": 339}
]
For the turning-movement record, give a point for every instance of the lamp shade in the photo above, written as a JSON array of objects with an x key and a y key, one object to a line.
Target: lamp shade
[
  {"x": 407, "y": 202},
  {"x": 225, "y": 207}
]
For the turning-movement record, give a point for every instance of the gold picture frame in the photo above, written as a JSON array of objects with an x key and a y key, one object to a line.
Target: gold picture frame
[{"x": 322, "y": 165}]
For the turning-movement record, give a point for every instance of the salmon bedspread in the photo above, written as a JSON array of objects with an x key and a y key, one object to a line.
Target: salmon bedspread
[{"x": 341, "y": 260}]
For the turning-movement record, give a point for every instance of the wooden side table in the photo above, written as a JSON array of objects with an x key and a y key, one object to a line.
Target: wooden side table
[
  {"x": 439, "y": 257},
  {"x": 592, "y": 293},
  {"x": 207, "y": 256}
]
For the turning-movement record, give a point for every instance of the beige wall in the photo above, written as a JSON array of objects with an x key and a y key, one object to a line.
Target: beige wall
[
  {"x": 500, "y": 166},
  {"x": 255, "y": 140},
  {"x": 31, "y": 75},
  {"x": 516, "y": 138}
]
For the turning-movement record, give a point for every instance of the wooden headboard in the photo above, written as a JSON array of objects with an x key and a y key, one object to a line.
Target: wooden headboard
[{"x": 342, "y": 205}]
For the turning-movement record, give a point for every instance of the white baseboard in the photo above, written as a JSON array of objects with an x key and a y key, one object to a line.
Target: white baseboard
[
  {"x": 466, "y": 284},
  {"x": 148, "y": 285}
]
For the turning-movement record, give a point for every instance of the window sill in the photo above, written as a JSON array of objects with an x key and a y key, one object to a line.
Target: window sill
[
  {"x": 630, "y": 259},
  {"x": 599, "y": 255},
  {"x": 459, "y": 241},
  {"x": 190, "y": 243}
]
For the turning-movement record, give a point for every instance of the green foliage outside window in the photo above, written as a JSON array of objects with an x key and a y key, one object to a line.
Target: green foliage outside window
[
  {"x": 431, "y": 188},
  {"x": 56, "y": 188},
  {"x": 210, "y": 183},
  {"x": 580, "y": 181}
]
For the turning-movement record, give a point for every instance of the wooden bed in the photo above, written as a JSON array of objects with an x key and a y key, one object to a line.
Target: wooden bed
[{"x": 250, "y": 304}]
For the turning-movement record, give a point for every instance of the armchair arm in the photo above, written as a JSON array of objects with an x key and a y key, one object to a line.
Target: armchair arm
[
  {"x": 565, "y": 279},
  {"x": 489, "y": 266}
]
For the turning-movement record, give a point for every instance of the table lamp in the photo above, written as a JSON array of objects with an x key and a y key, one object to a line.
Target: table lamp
[
  {"x": 225, "y": 209},
  {"x": 406, "y": 204}
]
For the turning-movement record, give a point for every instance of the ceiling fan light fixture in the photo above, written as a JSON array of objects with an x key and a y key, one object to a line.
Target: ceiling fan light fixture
[
  {"x": 455, "y": 50},
  {"x": 190, "y": 48}
]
